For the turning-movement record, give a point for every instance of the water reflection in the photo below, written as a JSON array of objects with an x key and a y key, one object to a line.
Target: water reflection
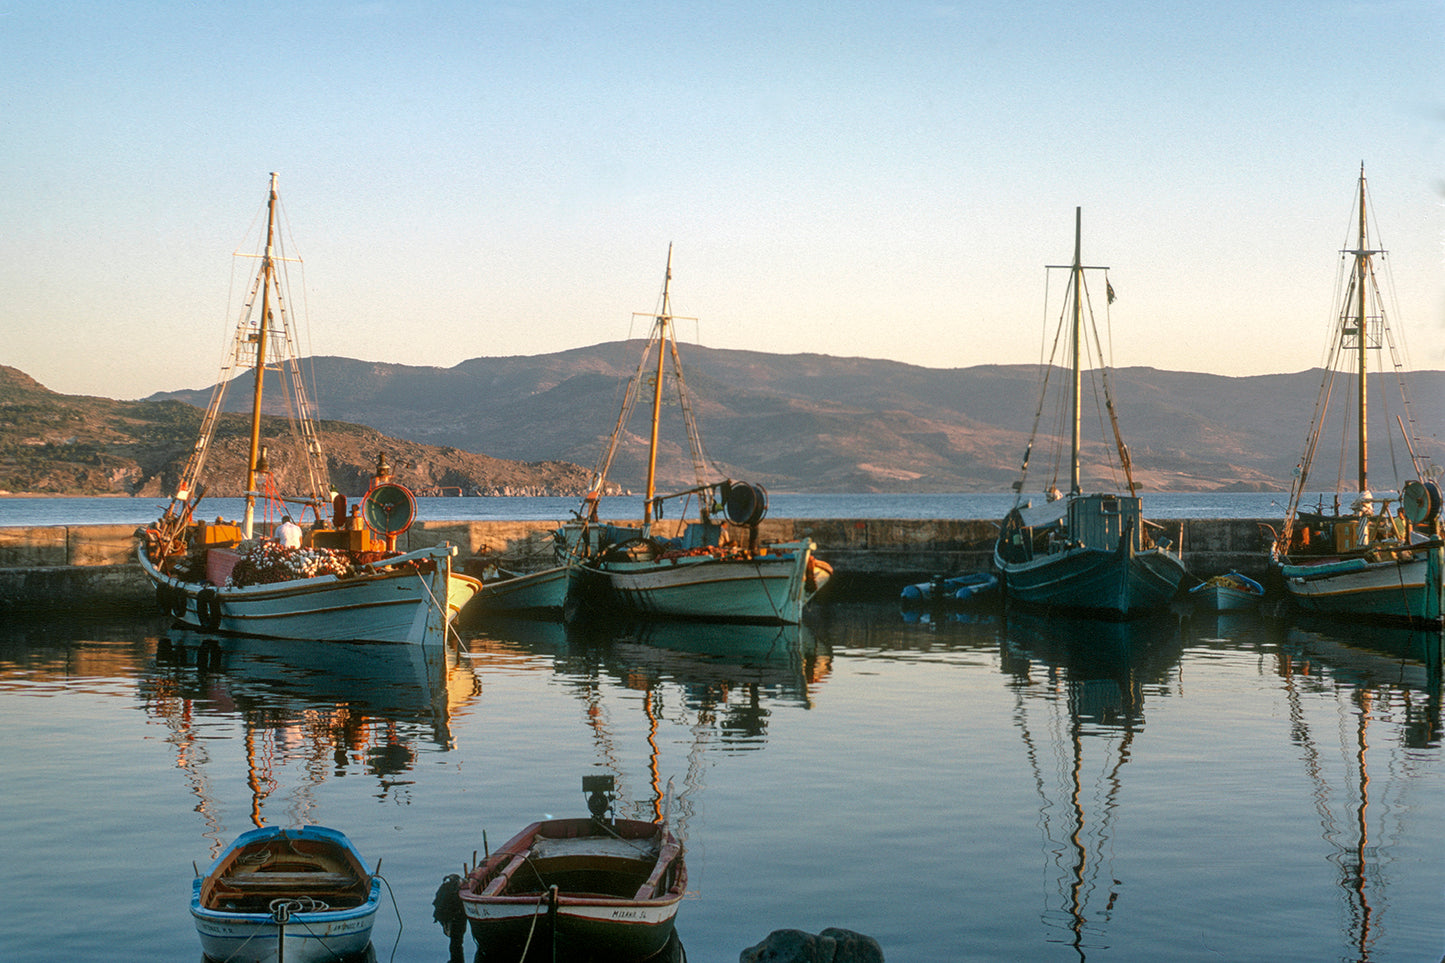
[
  {"x": 719, "y": 668},
  {"x": 717, "y": 683},
  {"x": 308, "y": 712},
  {"x": 1382, "y": 679},
  {"x": 1078, "y": 689}
]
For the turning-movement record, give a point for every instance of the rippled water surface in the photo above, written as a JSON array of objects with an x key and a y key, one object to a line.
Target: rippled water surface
[{"x": 959, "y": 788}]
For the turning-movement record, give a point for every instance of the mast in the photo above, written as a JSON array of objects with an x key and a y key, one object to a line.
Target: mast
[
  {"x": 1362, "y": 271},
  {"x": 662, "y": 322},
  {"x": 1077, "y": 281},
  {"x": 267, "y": 267}
]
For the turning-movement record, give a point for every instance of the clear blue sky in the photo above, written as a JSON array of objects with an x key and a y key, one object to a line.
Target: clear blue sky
[{"x": 878, "y": 179}]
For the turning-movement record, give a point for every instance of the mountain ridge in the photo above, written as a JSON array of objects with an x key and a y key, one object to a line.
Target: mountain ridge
[
  {"x": 800, "y": 422},
  {"x": 816, "y": 422}
]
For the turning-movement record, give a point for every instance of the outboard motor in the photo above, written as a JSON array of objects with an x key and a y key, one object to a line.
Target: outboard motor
[{"x": 599, "y": 790}]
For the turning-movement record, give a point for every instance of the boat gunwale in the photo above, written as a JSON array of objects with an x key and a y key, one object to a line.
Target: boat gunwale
[{"x": 509, "y": 858}]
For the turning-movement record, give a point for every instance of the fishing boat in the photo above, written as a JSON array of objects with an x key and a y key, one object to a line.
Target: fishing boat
[
  {"x": 713, "y": 568},
  {"x": 298, "y": 895},
  {"x": 506, "y": 591},
  {"x": 339, "y": 577},
  {"x": 607, "y": 887},
  {"x": 1093, "y": 553},
  {"x": 1357, "y": 557},
  {"x": 1231, "y": 592}
]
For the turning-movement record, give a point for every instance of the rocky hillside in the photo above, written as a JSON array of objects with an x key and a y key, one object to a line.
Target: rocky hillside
[
  {"x": 826, "y": 424},
  {"x": 74, "y": 445},
  {"x": 809, "y": 422}
]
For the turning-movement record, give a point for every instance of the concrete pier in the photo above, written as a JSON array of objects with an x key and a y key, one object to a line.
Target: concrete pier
[{"x": 59, "y": 566}]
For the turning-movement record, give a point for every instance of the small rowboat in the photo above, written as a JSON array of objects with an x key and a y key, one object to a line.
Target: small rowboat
[
  {"x": 602, "y": 887},
  {"x": 298, "y": 895},
  {"x": 961, "y": 588},
  {"x": 1227, "y": 593}
]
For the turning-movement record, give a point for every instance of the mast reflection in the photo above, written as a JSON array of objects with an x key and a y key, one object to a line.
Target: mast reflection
[
  {"x": 1078, "y": 696},
  {"x": 1377, "y": 676}
]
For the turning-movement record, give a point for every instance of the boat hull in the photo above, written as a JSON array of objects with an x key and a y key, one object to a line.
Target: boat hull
[
  {"x": 1110, "y": 583},
  {"x": 1231, "y": 593},
  {"x": 1389, "y": 589},
  {"x": 402, "y": 604},
  {"x": 1218, "y": 598},
  {"x": 766, "y": 589},
  {"x": 580, "y": 928},
  {"x": 535, "y": 591},
  {"x": 310, "y": 936}
]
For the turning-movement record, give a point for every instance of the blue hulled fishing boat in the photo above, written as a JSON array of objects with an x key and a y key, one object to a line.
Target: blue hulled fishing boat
[{"x": 1094, "y": 553}]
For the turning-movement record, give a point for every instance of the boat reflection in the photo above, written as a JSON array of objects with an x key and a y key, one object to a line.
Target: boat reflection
[
  {"x": 712, "y": 663},
  {"x": 1079, "y": 706},
  {"x": 307, "y": 712},
  {"x": 1378, "y": 675}
]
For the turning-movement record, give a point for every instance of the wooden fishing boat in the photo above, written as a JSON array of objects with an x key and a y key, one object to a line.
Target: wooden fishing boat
[
  {"x": 1359, "y": 558},
  {"x": 1092, "y": 553},
  {"x": 712, "y": 568},
  {"x": 298, "y": 895},
  {"x": 608, "y": 888},
  {"x": 338, "y": 578},
  {"x": 1231, "y": 592},
  {"x": 504, "y": 590}
]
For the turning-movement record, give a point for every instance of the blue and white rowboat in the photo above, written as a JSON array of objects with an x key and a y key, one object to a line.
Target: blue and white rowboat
[{"x": 302, "y": 895}]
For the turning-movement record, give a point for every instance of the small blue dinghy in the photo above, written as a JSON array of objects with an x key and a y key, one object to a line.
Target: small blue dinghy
[
  {"x": 302, "y": 895},
  {"x": 1227, "y": 593},
  {"x": 961, "y": 588}
]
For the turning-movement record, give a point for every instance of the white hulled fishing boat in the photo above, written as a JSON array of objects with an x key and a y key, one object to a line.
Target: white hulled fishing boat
[
  {"x": 338, "y": 578},
  {"x": 1358, "y": 557},
  {"x": 712, "y": 568}
]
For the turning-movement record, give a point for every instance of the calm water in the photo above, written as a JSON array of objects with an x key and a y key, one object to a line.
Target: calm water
[
  {"x": 136, "y": 511},
  {"x": 980, "y": 789}
]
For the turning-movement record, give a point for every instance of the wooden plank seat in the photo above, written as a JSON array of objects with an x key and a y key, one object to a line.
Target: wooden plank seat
[{"x": 296, "y": 882}]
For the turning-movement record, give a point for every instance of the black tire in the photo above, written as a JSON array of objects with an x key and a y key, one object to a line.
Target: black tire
[
  {"x": 163, "y": 598},
  {"x": 179, "y": 602},
  {"x": 208, "y": 609}
]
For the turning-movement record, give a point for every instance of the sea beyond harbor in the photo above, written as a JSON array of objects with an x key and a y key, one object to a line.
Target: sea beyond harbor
[{"x": 23, "y": 510}]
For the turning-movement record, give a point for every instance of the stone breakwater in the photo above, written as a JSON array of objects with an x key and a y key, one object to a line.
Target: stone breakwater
[{"x": 61, "y": 566}]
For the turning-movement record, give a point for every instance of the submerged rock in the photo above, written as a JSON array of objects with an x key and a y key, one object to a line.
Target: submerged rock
[{"x": 833, "y": 945}]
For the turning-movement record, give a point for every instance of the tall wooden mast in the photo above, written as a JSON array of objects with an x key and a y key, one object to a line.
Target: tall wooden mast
[
  {"x": 253, "y": 466},
  {"x": 1362, "y": 326},
  {"x": 1077, "y": 281},
  {"x": 663, "y": 321}
]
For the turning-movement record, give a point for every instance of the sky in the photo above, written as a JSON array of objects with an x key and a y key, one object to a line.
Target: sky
[{"x": 885, "y": 179}]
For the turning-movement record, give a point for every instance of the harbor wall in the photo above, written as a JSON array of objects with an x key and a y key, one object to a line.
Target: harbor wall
[{"x": 59, "y": 566}]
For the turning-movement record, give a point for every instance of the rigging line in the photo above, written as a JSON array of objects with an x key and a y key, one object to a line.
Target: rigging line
[
  {"x": 629, "y": 400},
  {"x": 1123, "y": 451},
  {"x": 700, "y": 459},
  {"x": 1041, "y": 383}
]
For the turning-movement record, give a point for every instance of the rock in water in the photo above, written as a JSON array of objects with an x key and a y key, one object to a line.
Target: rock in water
[{"x": 830, "y": 946}]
